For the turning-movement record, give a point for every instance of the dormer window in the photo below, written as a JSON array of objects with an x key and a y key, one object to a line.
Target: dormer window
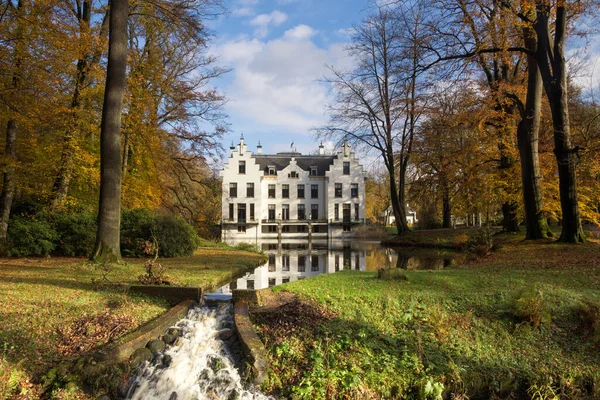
[
  {"x": 313, "y": 171},
  {"x": 272, "y": 170}
]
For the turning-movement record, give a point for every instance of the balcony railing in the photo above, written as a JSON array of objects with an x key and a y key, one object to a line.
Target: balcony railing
[
  {"x": 294, "y": 221},
  {"x": 347, "y": 221},
  {"x": 240, "y": 221}
]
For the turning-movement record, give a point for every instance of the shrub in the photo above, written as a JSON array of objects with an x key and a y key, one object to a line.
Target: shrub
[
  {"x": 76, "y": 233},
  {"x": 247, "y": 247},
  {"x": 481, "y": 243},
  {"x": 10, "y": 378},
  {"x": 155, "y": 274},
  {"x": 529, "y": 307},
  {"x": 174, "y": 236},
  {"x": 30, "y": 237},
  {"x": 136, "y": 229},
  {"x": 589, "y": 315},
  {"x": 389, "y": 274}
]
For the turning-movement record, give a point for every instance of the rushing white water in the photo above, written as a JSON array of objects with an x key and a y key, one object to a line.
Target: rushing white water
[{"x": 201, "y": 367}]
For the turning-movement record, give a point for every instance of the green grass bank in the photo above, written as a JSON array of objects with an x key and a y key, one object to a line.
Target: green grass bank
[
  {"x": 51, "y": 310},
  {"x": 523, "y": 322}
]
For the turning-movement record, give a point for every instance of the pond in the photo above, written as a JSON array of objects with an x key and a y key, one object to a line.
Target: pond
[{"x": 292, "y": 260}]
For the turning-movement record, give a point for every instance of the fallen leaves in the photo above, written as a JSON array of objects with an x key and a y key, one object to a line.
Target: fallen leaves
[{"x": 90, "y": 331}]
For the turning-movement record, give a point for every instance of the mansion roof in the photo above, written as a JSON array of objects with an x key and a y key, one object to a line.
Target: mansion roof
[{"x": 282, "y": 160}]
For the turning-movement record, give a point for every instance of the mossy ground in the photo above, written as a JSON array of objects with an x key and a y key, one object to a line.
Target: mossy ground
[
  {"x": 41, "y": 298},
  {"x": 454, "y": 331}
]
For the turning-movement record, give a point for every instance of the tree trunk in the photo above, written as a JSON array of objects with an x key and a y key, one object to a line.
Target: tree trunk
[
  {"x": 446, "y": 207},
  {"x": 554, "y": 77},
  {"x": 10, "y": 147},
  {"x": 398, "y": 203},
  {"x": 109, "y": 213},
  {"x": 567, "y": 159},
  {"x": 8, "y": 186},
  {"x": 125, "y": 159},
  {"x": 510, "y": 222},
  {"x": 527, "y": 136},
  {"x": 62, "y": 182},
  {"x": 402, "y": 261}
]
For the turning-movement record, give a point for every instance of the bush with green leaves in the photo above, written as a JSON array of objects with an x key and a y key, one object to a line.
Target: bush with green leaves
[
  {"x": 529, "y": 307},
  {"x": 76, "y": 233},
  {"x": 175, "y": 237},
  {"x": 30, "y": 236},
  {"x": 481, "y": 243},
  {"x": 136, "y": 229},
  {"x": 243, "y": 246}
]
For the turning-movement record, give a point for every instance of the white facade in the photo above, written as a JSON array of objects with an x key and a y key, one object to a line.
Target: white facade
[
  {"x": 389, "y": 218},
  {"x": 293, "y": 195}
]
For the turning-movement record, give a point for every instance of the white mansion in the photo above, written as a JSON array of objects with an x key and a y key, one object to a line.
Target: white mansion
[{"x": 287, "y": 195}]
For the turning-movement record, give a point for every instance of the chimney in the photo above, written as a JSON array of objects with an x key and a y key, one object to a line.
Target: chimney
[
  {"x": 259, "y": 148},
  {"x": 321, "y": 149},
  {"x": 242, "y": 140},
  {"x": 346, "y": 148}
]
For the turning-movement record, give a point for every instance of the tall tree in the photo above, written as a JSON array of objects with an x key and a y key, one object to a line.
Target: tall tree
[
  {"x": 376, "y": 104},
  {"x": 527, "y": 137},
  {"x": 468, "y": 30},
  {"x": 550, "y": 56},
  {"x": 91, "y": 43},
  {"x": 10, "y": 148},
  {"x": 109, "y": 211}
]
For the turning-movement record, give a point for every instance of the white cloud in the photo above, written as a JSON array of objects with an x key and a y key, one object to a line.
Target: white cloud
[
  {"x": 277, "y": 84},
  {"x": 346, "y": 32},
  {"x": 264, "y": 21},
  {"x": 243, "y": 12},
  {"x": 300, "y": 32}
]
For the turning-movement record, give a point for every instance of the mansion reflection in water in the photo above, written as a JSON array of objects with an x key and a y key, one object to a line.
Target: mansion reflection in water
[{"x": 291, "y": 260}]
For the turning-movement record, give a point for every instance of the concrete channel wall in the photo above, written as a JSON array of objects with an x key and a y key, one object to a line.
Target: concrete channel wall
[
  {"x": 124, "y": 347},
  {"x": 253, "y": 348}
]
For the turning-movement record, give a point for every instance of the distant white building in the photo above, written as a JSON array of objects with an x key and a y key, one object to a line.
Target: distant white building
[
  {"x": 389, "y": 219},
  {"x": 291, "y": 195}
]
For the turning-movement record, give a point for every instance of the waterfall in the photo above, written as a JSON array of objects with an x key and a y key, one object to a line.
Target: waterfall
[{"x": 200, "y": 366}]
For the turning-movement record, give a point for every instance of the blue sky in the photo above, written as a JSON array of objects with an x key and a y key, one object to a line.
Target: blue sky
[{"x": 278, "y": 51}]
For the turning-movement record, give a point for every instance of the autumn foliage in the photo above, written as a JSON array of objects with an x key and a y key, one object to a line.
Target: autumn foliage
[{"x": 53, "y": 63}]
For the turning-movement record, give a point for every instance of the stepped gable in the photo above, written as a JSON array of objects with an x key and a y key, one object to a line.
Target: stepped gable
[{"x": 282, "y": 160}]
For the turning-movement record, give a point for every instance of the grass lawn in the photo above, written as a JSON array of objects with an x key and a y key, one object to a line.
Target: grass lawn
[
  {"x": 49, "y": 308},
  {"x": 468, "y": 331}
]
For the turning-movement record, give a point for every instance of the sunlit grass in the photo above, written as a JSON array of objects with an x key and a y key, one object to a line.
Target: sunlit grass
[
  {"x": 456, "y": 328},
  {"x": 40, "y": 295}
]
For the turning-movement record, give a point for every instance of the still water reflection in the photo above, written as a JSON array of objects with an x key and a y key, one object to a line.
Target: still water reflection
[{"x": 292, "y": 260}]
